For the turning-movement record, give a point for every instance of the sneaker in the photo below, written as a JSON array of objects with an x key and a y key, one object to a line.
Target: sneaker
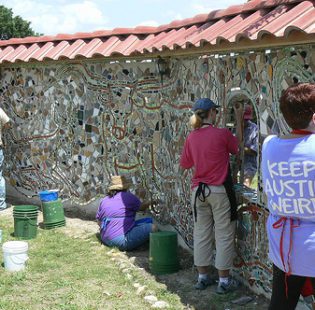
[
  {"x": 204, "y": 283},
  {"x": 226, "y": 288}
]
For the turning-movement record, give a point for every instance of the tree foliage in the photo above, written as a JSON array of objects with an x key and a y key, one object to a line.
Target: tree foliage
[{"x": 13, "y": 26}]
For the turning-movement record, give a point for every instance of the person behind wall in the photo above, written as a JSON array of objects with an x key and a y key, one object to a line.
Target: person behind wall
[
  {"x": 4, "y": 124},
  {"x": 250, "y": 146},
  {"x": 207, "y": 151},
  {"x": 116, "y": 217},
  {"x": 288, "y": 167}
]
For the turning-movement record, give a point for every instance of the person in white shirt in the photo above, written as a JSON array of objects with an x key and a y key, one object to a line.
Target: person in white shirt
[{"x": 4, "y": 124}]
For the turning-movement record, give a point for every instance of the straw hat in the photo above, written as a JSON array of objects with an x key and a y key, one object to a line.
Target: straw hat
[{"x": 119, "y": 183}]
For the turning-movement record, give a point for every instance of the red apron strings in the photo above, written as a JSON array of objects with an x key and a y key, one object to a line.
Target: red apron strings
[
  {"x": 281, "y": 224},
  {"x": 307, "y": 288},
  {"x": 301, "y": 132}
]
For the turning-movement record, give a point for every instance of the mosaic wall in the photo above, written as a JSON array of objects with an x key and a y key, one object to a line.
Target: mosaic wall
[{"x": 76, "y": 124}]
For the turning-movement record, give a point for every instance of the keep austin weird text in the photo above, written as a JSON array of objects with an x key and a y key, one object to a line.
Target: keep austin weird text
[{"x": 290, "y": 187}]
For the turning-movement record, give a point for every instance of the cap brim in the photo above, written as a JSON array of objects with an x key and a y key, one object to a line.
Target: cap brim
[{"x": 213, "y": 107}]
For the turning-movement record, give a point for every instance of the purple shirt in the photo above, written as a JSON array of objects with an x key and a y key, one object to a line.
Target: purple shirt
[
  {"x": 120, "y": 210},
  {"x": 288, "y": 167},
  {"x": 250, "y": 141}
]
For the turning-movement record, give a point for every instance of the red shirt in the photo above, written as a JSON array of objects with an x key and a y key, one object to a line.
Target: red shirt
[{"x": 208, "y": 150}]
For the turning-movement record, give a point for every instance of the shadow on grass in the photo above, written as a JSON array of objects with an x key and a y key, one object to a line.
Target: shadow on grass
[
  {"x": 181, "y": 283},
  {"x": 78, "y": 213}
]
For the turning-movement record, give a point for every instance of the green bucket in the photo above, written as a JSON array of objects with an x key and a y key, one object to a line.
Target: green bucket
[
  {"x": 23, "y": 216},
  {"x": 25, "y": 221},
  {"x": 53, "y": 212},
  {"x": 23, "y": 213},
  {"x": 25, "y": 208},
  {"x": 163, "y": 252},
  {"x": 55, "y": 225}
]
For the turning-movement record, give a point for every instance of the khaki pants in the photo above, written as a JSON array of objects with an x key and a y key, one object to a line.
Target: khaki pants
[{"x": 214, "y": 224}]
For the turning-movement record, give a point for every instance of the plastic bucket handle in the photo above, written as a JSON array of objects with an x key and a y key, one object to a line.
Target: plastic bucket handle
[
  {"x": 29, "y": 223},
  {"x": 29, "y": 219},
  {"x": 19, "y": 261},
  {"x": 21, "y": 216}
]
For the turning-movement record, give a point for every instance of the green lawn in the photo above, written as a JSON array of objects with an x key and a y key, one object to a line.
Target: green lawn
[
  {"x": 73, "y": 274},
  {"x": 254, "y": 184}
]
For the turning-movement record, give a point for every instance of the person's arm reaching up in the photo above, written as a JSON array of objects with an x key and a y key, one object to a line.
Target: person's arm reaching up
[{"x": 239, "y": 112}]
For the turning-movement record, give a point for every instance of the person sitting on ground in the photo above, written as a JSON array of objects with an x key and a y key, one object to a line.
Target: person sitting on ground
[{"x": 116, "y": 217}]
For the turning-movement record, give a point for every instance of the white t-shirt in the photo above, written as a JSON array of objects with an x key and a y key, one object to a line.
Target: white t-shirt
[
  {"x": 3, "y": 120},
  {"x": 288, "y": 168}
]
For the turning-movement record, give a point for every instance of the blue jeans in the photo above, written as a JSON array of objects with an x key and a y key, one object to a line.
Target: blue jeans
[
  {"x": 135, "y": 237},
  {"x": 3, "y": 204}
]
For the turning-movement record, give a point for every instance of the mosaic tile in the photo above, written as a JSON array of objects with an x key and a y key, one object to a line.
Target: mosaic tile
[{"x": 76, "y": 124}]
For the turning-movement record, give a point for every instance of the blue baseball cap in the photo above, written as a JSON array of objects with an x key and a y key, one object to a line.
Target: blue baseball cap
[{"x": 204, "y": 104}]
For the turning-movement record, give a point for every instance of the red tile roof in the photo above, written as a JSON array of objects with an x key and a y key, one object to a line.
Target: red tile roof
[{"x": 250, "y": 20}]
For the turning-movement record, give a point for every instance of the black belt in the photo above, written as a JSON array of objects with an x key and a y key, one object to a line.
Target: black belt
[
  {"x": 201, "y": 195},
  {"x": 230, "y": 192}
]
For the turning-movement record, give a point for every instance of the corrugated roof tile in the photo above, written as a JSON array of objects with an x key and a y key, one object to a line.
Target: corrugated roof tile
[
  {"x": 39, "y": 55},
  {"x": 249, "y": 20},
  {"x": 70, "y": 52},
  {"x": 195, "y": 39},
  {"x": 6, "y": 52},
  {"x": 288, "y": 18},
  {"x": 123, "y": 46},
  {"x": 57, "y": 50},
  {"x": 303, "y": 21},
  {"x": 180, "y": 40},
  {"x": 254, "y": 30},
  {"x": 310, "y": 29},
  {"x": 151, "y": 43},
  {"x": 138, "y": 48},
  {"x": 279, "y": 24},
  {"x": 15, "y": 54},
  {"x": 212, "y": 38},
  {"x": 112, "y": 42},
  {"x": 27, "y": 54},
  {"x": 88, "y": 48},
  {"x": 231, "y": 33}
]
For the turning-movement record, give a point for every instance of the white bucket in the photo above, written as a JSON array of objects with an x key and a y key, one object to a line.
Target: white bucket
[{"x": 15, "y": 255}]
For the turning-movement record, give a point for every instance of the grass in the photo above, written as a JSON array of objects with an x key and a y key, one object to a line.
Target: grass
[
  {"x": 72, "y": 274},
  {"x": 254, "y": 184}
]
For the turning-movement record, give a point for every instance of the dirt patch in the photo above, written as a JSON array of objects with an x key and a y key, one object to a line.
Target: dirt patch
[
  {"x": 182, "y": 283},
  {"x": 78, "y": 228}
]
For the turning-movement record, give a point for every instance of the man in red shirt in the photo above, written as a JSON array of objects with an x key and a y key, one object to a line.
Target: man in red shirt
[{"x": 207, "y": 150}]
